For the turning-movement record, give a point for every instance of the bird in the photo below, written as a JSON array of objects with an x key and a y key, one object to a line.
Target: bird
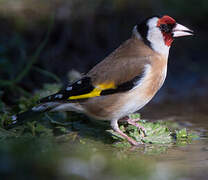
[{"x": 123, "y": 82}]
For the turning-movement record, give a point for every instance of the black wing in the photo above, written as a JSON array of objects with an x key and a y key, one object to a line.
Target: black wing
[{"x": 84, "y": 89}]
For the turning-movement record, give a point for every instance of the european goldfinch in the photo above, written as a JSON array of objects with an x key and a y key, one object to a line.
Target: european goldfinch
[{"x": 124, "y": 81}]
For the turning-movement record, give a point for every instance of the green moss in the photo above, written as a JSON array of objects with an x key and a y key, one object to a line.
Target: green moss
[{"x": 159, "y": 132}]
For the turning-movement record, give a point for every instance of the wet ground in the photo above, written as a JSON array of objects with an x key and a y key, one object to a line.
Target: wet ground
[
  {"x": 183, "y": 162},
  {"x": 60, "y": 158}
]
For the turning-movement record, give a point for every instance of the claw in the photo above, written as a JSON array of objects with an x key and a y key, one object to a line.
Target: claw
[
  {"x": 140, "y": 127},
  {"x": 114, "y": 125}
]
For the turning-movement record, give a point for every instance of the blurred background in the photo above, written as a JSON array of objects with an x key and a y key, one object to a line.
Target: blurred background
[{"x": 42, "y": 41}]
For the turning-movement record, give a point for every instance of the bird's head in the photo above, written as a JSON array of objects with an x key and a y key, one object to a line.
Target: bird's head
[{"x": 159, "y": 32}]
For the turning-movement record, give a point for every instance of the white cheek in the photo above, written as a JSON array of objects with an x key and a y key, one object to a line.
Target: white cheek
[
  {"x": 157, "y": 41},
  {"x": 156, "y": 38}
]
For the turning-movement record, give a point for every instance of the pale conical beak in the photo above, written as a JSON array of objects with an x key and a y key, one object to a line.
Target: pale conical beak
[{"x": 180, "y": 30}]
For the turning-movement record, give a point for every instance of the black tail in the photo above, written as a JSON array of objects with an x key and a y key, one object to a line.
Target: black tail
[
  {"x": 22, "y": 118},
  {"x": 32, "y": 114}
]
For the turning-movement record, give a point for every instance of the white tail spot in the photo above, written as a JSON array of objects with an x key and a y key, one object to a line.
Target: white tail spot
[
  {"x": 14, "y": 118},
  {"x": 69, "y": 88},
  {"x": 59, "y": 96}
]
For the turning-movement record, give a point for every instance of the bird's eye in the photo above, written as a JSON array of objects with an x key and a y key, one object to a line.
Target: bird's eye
[{"x": 167, "y": 28}]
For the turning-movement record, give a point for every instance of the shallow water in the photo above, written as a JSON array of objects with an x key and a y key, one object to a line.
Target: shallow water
[
  {"x": 188, "y": 161},
  {"x": 155, "y": 162}
]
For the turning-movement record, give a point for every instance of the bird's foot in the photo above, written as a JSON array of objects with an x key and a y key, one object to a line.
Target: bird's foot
[
  {"x": 129, "y": 139},
  {"x": 115, "y": 127},
  {"x": 134, "y": 122}
]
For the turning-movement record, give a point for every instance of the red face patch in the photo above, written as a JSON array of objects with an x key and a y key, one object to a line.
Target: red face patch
[{"x": 166, "y": 20}]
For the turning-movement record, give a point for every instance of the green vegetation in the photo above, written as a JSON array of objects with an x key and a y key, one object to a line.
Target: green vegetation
[{"x": 158, "y": 132}]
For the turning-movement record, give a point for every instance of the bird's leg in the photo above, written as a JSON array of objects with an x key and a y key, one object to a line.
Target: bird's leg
[
  {"x": 114, "y": 125},
  {"x": 134, "y": 122}
]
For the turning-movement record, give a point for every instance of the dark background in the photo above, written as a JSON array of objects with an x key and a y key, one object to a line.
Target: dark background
[{"x": 42, "y": 41}]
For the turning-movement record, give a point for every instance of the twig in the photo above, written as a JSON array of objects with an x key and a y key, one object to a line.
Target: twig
[
  {"x": 37, "y": 53},
  {"x": 47, "y": 73}
]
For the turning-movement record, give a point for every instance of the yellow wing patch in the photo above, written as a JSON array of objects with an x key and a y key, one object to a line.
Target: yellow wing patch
[{"x": 96, "y": 91}]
